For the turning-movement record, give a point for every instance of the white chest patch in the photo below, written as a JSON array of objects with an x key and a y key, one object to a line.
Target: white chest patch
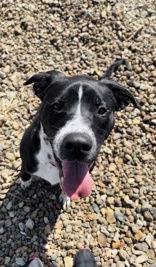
[{"x": 47, "y": 168}]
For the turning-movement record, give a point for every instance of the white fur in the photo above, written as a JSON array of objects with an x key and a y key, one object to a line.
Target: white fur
[
  {"x": 76, "y": 125},
  {"x": 45, "y": 169}
]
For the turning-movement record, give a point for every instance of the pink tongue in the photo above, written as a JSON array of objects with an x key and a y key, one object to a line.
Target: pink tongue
[{"x": 77, "y": 181}]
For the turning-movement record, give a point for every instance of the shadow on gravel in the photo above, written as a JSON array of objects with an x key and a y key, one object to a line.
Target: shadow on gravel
[{"x": 27, "y": 219}]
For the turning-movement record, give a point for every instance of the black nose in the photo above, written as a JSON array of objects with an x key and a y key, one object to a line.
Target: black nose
[{"x": 76, "y": 145}]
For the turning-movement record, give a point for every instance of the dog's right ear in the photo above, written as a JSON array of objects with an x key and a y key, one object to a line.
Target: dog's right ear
[{"x": 42, "y": 80}]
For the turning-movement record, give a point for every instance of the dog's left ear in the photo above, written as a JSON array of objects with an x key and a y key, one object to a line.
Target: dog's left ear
[
  {"x": 122, "y": 96},
  {"x": 42, "y": 80}
]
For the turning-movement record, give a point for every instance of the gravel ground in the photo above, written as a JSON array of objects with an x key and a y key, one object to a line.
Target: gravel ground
[{"x": 118, "y": 221}]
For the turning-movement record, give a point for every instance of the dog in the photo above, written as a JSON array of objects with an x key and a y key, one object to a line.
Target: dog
[{"x": 76, "y": 115}]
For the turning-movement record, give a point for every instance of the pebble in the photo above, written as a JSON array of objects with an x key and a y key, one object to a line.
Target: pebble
[
  {"x": 1, "y": 230},
  {"x": 142, "y": 258},
  {"x": 116, "y": 244},
  {"x": 128, "y": 201},
  {"x": 95, "y": 208},
  {"x": 102, "y": 240},
  {"x": 119, "y": 216},
  {"x": 141, "y": 246},
  {"x": 29, "y": 224},
  {"x": 146, "y": 207},
  {"x": 139, "y": 235},
  {"x": 148, "y": 216},
  {"x": 110, "y": 215},
  {"x": 2, "y": 253},
  {"x": 68, "y": 262},
  {"x": 7, "y": 260},
  {"x": 120, "y": 264},
  {"x": 20, "y": 261},
  {"x": 112, "y": 167},
  {"x": 10, "y": 156},
  {"x": 21, "y": 226},
  {"x": 123, "y": 254},
  {"x": 9, "y": 205},
  {"x": 149, "y": 238}
]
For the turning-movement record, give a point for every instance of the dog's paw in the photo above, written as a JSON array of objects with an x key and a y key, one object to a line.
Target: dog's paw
[
  {"x": 26, "y": 184},
  {"x": 65, "y": 200}
]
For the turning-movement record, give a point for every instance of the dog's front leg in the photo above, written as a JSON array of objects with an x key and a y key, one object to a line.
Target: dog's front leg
[
  {"x": 64, "y": 198},
  {"x": 51, "y": 174}
]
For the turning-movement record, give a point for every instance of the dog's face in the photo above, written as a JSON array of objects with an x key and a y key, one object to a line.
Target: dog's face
[{"x": 77, "y": 114}]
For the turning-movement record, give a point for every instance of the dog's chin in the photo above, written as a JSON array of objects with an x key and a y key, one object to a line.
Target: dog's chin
[{"x": 75, "y": 178}]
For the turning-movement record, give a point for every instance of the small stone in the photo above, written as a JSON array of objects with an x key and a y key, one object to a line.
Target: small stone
[
  {"x": 7, "y": 260},
  {"x": 150, "y": 254},
  {"x": 148, "y": 217},
  {"x": 110, "y": 200},
  {"x": 1, "y": 253},
  {"x": 114, "y": 252},
  {"x": 117, "y": 136},
  {"x": 131, "y": 180},
  {"x": 21, "y": 226},
  {"x": 123, "y": 254},
  {"x": 141, "y": 246},
  {"x": 146, "y": 207},
  {"x": 29, "y": 224},
  {"x": 53, "y": 256},
  {"x": 108, "y": 253},
  {"x": 102, "y": 240},
  {"x": 149, "y": 238},
  {"x": 128, "y": 201},
  {"x": 110, "y": 215},
  {"x": 68, "y": 262},
  {"x": 139, "y": 235},
  {"x": 112, "y": 167},
  {"x": 2, "y": 75},
  {"x": 135, "y": 228},
  {"x": 69, "y": 229},
  {"x": 46, "y": 220},
  {"x": 120, "y": 264},
  {"x": 119, "y": 216},
  {"x": 20, "y": 261},
  {"x": 1, "y": 230},
  {"x": 116, "y": 244},
  {"x": 95, "y": 208},
  {"x": 10, "y": 156},
  {"x": 9, "y": 205},
  {"x": 21, "y": 204},
  {"x": 107, "y": 150},
  {"x": 154, "y": 244},
  {"x": 104, "y": 231},
  {"x": 142, "y": 258},
  {"x": 147, "y": 157},
  {"x": 26, "y": 209},
  {"x": 15, "y": 125},
  {"x": 101, "y": 184}
]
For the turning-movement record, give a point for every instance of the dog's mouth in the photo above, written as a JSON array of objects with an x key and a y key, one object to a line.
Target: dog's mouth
[{"x": 75, "y": 178}]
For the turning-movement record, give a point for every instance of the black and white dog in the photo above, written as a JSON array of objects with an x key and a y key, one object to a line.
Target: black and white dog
[{"x": 75, "y": 117}]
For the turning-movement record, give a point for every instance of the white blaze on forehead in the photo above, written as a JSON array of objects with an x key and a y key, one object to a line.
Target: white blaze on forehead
[
  {"x": 76, "y": 125},
  {"x": 78, "y": 111}
]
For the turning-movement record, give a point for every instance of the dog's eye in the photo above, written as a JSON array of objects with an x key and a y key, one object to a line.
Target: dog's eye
[
  {"x": 58, "y": 106},
  {"x": 102, "y": 110}
]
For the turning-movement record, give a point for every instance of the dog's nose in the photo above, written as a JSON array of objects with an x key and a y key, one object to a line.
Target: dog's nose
[{"x": 77, "y": 143}]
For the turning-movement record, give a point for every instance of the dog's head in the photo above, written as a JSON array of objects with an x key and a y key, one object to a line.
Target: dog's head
[{"x": 77, "y": 114}]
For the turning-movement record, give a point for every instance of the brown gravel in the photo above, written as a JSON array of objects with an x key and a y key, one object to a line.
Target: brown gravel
[{"x": 118, "y": 221}]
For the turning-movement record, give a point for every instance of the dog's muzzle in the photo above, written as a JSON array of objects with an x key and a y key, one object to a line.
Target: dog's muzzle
[{"x": 76, "y": 146}]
